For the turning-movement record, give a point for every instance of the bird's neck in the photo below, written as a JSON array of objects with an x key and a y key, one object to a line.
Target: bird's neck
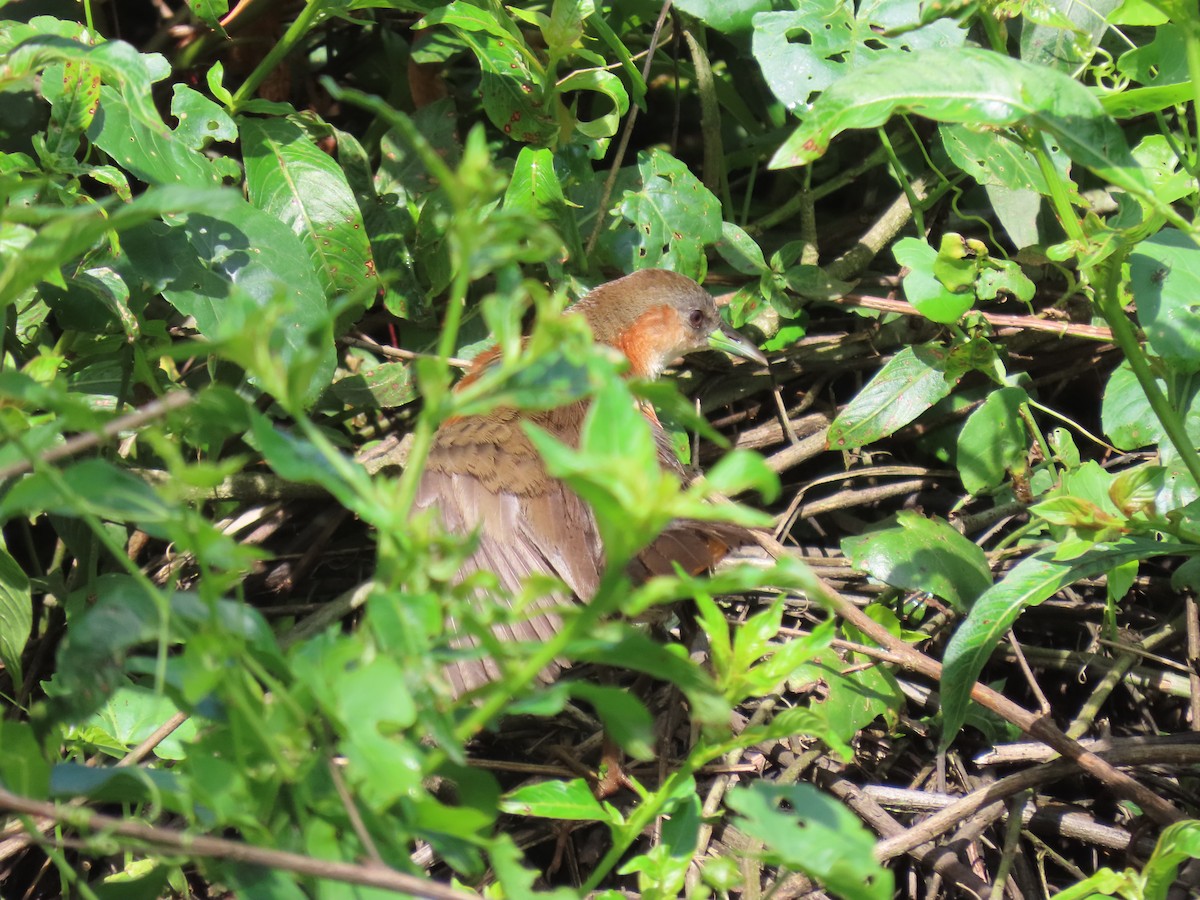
[{"x": 636, "y": 334}]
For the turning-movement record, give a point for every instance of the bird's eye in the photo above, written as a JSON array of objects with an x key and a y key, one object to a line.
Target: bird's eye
[{"x": 696, "y": 319}]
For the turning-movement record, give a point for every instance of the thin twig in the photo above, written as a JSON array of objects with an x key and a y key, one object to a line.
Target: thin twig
[
  {"x": 199, "y": 845},
  {"x": 1033, "y": 724},
  {"x": 80, "y": 443},
  {"x": 1000, "y": 320},
  {"x": 626, "y": 134}
]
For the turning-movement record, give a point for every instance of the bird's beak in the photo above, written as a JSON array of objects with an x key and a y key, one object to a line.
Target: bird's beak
[{"x": 725, "y": 339}]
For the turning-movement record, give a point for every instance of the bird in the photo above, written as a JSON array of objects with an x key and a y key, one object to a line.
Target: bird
[{"x": 483, "y": 473}]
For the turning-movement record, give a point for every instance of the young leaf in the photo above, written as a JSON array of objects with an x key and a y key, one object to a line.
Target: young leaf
[
  {"x": 816, "y": 835},
  {"x": 1031, "y": 581},
  {"x": 921, "y": 554},
  {"x": 908, "y": 384}
]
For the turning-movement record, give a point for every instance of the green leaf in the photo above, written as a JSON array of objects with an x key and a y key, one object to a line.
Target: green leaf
[
  {"x": 386, "y": 386},
  {"x": 68, "y": 234},
  {"x": 856, "y": 695},
  {"x": 23, "y": 767},
  {"x": 741, "y": 251},
  {"x": 295, "y": 459},
  {"x": 993, "y": 441},
  {"x": 743, "y": 470},
  {"x": 1126, "y": 415},
  {"x": 73, "y": 89},
  {"x": 663, "y": 870},
  {"x": 922, "y": 554},
  {"x": 292, "y": 180},
  {"x": 210, "y": 12},
  {"x": 816, "y": 835},
  {"x": 534, "y": 186},
  {"x": 614, "y": 645},
  {"x": 808, "y": 49},
  {"x": 1064, "y": 36},
  {"x": 200, "y": 120},
  {"x": 130, "y": 716},
  {"x": 569, "y": 800},
  {"x": 607, "y": 85},
  {"x": 1164, "y": 275},
  {"x": 514, "y": 96},
  {"x": 147, "y": 147},
  {"x": 923, "y": 290},
  {"x": 909, "y": 383},
  {"x": 94, "y": 486},
  {"x": 726, "y": 16},
  {"x": 783, "y": 661},
  {"x": 237, "y": 274},
  {"x": 664, "y": 218},
  {"x": 132, "y": 784},
  {"x": 16, "y": 614},
  {"x": 812, "y": 721},
  {"x": 1031, "y": 581},
  {"x": 625, "y": 719},
  {"x": 987, "y": 89},
  {"x": 1177, "y": 844}
]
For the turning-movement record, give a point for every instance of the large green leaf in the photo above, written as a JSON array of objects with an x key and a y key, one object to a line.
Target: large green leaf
[
  {"x": 291, "y": 179},
  {"x": 1164, "y": 275},
  {"x": 16, "y": 614},
  {"x": 815, "y": 835},
  {"x": 663, "y": 218},
  {"x": 993, "y": 442},
  {"x": 969, "y": 86},
  {"x": 910, "y": 383},
  {"x": 514, "y": 96},
  {"x": 803, "y": 51},
  {"x": 68, "y": 234},
  {"x": 146, "y": 147},
  {"x": 921, "y": 554},
  {"x": 236, "y": 274},
  {"x": 1031, "y": 581}
]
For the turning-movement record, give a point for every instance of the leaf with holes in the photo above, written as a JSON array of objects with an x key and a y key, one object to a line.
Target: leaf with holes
[
  {"x": 804, "y": 51},
  {"x": 816, "y": 835},
  {"x": 665, "y": 218}
]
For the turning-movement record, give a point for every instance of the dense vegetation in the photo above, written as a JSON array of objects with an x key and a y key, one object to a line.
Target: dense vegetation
[{"x": 242, "y": 254}]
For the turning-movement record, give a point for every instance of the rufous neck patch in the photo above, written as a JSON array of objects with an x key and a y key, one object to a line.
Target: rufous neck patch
[{"x": 651, "y": 341}]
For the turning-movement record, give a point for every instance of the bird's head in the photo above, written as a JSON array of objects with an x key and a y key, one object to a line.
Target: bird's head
[{"x": 654, "y": 317}]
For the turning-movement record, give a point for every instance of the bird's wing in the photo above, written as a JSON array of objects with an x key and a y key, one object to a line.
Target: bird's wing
[
  {"x": 697, "y": 546},
  {"x": 483, "y": 473}
]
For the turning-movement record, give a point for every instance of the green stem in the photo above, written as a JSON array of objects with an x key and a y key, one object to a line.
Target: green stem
[
  {"x": 1192, "y": 44},
  {"x": 309, "y": 15},
  {"x": 905, "y": 182},
  {"x": 1109, "y": 302},
  {"x": 589, "y": 614},
  {"x": 1059, "y": 196},
  {"x": 641, "y": 817},
  {"x": 1038, "y": 437}
]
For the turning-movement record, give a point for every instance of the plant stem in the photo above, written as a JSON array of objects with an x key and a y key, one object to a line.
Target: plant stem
[
  {"x": 1109, "y": 303},
  {"x": 308, "y": 17}
]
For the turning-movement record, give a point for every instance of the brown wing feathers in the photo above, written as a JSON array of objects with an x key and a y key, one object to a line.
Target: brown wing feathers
[{"x": 483, "y": 473}]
